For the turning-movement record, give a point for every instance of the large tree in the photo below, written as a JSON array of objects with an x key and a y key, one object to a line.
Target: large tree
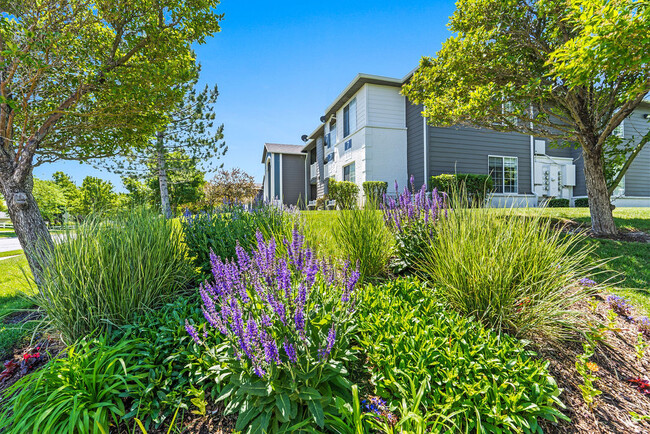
[
  {"x": 188, "y": 142},
  {"x": 514, "y": 65},
  {"x": 82, "y": 79},
  {"x": 230, "y": 186}
]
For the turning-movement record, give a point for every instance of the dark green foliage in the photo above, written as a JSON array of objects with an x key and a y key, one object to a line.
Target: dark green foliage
[
  {"x": 220, "y": 230},
  {"x": 345, "y": 193},
  {"x": 582, "y": 202},
  {"x": 79, "y": 393},
  {"x": 176, "y": 365},
  {"x": 105, "y": 272},
  {"x": 476, "y": 186},
  {"x": 557, "y": 203},
  {"x": 375, "y": 191},
  {"x": 479, "y": 381}
]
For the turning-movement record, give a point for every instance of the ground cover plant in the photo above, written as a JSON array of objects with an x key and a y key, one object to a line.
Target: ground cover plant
[
  {"x": 472, "y": 379},
  {"x": 14, "y": 287},
  {"x": 288, "y": 321},
  {"x": 514, "y": 274},
  {"x": 105, "y": 272}
]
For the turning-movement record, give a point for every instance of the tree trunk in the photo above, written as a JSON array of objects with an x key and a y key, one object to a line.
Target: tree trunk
[
  {"x": 28, "y": 223},
  {"x": 162, "y": 179},
  {"x": 602, "y": 220}
]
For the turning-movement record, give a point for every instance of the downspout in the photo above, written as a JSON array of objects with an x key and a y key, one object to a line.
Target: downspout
[
  {"x": 425, "y": 133},
  {"x": 532, "y": 158}
]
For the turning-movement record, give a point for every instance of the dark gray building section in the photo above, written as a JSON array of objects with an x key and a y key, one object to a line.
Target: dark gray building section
[
  {"x": 293, "y": 179},
  {"x": 462, "y": 149},
  {"x": 415, "y": 142},
  {"x": 466, "y": 150},
  {"x": 637, "y": 178}
]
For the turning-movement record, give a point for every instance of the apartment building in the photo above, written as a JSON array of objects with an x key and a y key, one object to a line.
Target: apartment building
[{"x": 371, "y": 132}]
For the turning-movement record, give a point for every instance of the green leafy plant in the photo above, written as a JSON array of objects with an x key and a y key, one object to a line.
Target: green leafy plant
[
  {"x": 472, "y": 380},
  {"x": 345, "y": 193},
  {"x": 476, "y": 186},
  {"x": 107, "y": 271},
  {"x": 364, "y": 237},
  {"x": 219, "y": 231},
  {"x": 640, "y": 347},
  {"x": 82, "y": 392},
  {"x": 586, "y": 369},
  {"x": 557, "y": 203},
  {"x": 513, "y": 273},
  {"x": 374, "y": 191}
]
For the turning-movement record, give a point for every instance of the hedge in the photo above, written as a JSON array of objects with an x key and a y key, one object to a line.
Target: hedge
[
  {"x": 476, "y": 186},
  {"x": 582, "y": 202},
  {"x": 557, "y": 203},
  {"x": 345, "y": 193},
  {"x": 375, "y": 190}
]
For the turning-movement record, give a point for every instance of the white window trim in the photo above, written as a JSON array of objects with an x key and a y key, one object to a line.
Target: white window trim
[
  {"x": 505, "y": 156},
  {"x": 356, "y": 124},
  {"x": 355, "y": 171}
]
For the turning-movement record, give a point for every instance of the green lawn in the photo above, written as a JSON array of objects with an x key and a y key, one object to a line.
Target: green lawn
[{"x": 13, "y": 286}]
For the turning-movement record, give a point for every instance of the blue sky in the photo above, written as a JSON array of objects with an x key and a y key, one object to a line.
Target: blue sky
[{"x": 279, "y": 64}]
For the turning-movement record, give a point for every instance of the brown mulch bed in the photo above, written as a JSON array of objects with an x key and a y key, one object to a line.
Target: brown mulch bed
[{"x": 617, "y": 362}]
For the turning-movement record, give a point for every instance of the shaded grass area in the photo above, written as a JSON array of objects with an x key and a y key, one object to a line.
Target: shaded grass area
[
  {"x": 13, "y": 286},
  {"x": 7, "y": 233}
]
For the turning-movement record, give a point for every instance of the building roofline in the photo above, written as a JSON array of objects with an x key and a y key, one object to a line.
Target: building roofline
[{"x": 355, "y": 85}]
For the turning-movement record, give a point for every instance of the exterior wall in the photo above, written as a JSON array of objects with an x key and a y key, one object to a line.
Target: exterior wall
[
  {"x": 320, "y": 182},
  {"x": 293, "y": 179},
  {"x": 466, "y": 150},
  {"x": 415, "y": 142},
  {"x": 637, "y": 178},
  {"x": 386, "y": 156},
  {"x": 385, "y": 106}
]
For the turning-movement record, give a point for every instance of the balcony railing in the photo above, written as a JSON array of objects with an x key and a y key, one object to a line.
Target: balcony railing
[{"x": 313, "y": 171}]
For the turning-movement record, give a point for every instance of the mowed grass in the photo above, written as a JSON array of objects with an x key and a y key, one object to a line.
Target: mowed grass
[
  {"x": 13, "y": 288},
  {"x": 628, "y": 263}
]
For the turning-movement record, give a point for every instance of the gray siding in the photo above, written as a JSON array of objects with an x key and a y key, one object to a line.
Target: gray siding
[
  {"x": 637, "y": 178},
  {"x": 415, "y": 142},
  {"x": 293, "y": 178},
  {"x": 580, "y": 188},
  {"x": 466, "y": 150}
]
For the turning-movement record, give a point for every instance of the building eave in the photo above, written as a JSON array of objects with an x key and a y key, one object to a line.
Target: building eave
[{"x": 359, "y": 81}]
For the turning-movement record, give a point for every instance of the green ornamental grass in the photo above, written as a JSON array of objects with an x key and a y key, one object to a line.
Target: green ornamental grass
[
  {"x": 515, "y": 274},
  {"x": 107, "y": 271}
]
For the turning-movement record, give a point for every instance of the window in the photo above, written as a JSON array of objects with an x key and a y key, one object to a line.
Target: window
[
  {"x": 330, "y": 138},
  {"x": 348, "y": 145},
  {"x": 348, "y": 173},
  {"x": 350, "y": 118},
  {"x": 504, "y": 173}
]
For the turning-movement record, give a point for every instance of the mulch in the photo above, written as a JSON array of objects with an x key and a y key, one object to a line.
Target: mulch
[
  {"x": 617, "y": 363},
  {"x": 573, "y": 227}
]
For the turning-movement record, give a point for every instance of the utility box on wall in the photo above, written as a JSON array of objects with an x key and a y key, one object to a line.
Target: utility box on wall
[{"x": 540, "y": 147}]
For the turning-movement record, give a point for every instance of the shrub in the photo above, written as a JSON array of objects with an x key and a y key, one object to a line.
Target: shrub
[
  {"x": 476, "y": 186},
  {"x": 345, "y": 193},
  {"x": 513, "y": 273},
  {"x": 79, "y": 393},
  {"x": 557, "y": 203},
  {"x": 375, "y": 191},
  {"x": 581, "y": 202},
  {"x": 220, "y": 231},
  {"x": 365, "y": 239},
  {"x": 105, "y": 272},
  {"x": 471, "y": 379},
  {"x": 412, "y": 218},
  {"x": 288, "y": 321}
]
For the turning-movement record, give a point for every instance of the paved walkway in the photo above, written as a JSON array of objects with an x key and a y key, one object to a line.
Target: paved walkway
[{"x": 8, "y": 244}]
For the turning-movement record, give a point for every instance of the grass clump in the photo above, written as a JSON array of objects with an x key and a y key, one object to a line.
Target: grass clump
[
  {"x": 105, "y": 272},
  {"x": 467, "y": 377},
  {"x": 362, "y": 235},
  {"x": 515, "y": 274}
]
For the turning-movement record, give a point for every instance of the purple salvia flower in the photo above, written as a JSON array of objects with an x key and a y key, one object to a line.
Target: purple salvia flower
[
  {"x": 331, "y": 339},
  {"x": 271, "y": 353},
  {"x": 265, "y": 321},
  {"x": 290, "y": 351},
  {"x": 259, "y": 371},
  {"x": 192, "y": 332},
  {"x": 300, "y": 319}
]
